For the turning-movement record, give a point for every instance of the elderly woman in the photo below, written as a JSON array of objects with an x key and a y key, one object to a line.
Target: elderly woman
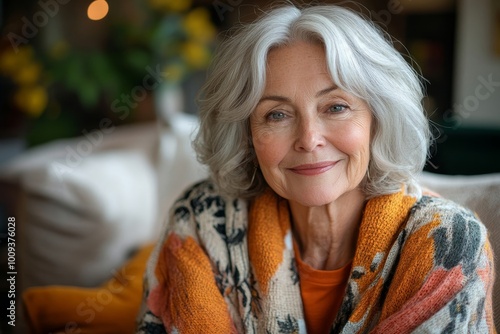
[{"x": 312, "y": 220}]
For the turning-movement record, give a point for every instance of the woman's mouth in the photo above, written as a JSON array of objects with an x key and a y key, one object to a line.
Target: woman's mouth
[{"x": 313, "y": 169}]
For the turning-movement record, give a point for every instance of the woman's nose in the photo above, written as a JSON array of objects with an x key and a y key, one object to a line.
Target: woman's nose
[{"x": 309, "y": 135}]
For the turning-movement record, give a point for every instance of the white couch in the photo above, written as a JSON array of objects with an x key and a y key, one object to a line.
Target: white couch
[{"x": 85, "y": 208}]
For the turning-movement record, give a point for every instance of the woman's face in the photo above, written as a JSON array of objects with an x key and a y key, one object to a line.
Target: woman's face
[{"x": 312, "y": 140}]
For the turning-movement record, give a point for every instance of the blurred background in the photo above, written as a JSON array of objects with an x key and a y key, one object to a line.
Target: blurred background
[{"x": 65, "y": 65}]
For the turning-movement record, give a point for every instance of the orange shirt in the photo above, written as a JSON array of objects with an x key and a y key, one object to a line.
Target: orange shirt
[{"x": 322, "y": 293}]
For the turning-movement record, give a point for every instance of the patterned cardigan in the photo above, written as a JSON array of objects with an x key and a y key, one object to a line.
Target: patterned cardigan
[{"x": 226, "y": 265}]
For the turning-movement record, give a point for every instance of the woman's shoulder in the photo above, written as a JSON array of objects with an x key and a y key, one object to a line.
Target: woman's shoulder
[
  {"x": 203, "y": 194},
  {"x": 203, "y": 204},
  {"x": 443, "y": 211},
  {"x": 457, "y": 233},
  {"x": 204, "y": 186},
  {"x": 448, "y": 217},
  {"x": 443, "y": 260}
]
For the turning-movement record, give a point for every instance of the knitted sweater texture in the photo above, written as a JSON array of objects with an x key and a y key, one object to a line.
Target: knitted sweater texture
[{"x": 225, "y": 265}]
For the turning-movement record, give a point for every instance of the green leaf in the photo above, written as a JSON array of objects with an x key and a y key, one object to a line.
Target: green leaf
[
  {"x": 137, "y": 60},
  {"x": 89, "y": 93}
]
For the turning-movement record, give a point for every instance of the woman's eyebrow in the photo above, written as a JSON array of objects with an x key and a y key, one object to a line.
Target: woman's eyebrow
[
  {"x": 274, "y": 98},
  {"x": 326, "y": 90}
]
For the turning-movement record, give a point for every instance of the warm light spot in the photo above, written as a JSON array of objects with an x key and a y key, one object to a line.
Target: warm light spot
[{"x": 97, "y": 10}]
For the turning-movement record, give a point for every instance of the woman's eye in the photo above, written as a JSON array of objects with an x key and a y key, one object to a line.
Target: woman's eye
[
  {"x": 276, "y": 115},
  {"x": 336, "y": 108}
]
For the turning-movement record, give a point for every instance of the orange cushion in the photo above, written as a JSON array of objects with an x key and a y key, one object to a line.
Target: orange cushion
[{"x": 110, "y": 308}]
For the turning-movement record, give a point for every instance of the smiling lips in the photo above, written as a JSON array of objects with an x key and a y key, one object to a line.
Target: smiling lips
[{"x": 313, "y": 169}]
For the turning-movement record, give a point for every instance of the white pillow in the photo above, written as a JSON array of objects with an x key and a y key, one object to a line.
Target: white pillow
[
  {"x": 79, "y": 225},
  {"x": 86, "y": 203}
]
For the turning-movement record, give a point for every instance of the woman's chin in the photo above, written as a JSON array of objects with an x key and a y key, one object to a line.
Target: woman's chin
[{"x": 313, "y": 199}]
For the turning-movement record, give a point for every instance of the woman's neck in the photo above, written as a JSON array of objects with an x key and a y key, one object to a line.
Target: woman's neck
[{"x": 327, "y": 235}]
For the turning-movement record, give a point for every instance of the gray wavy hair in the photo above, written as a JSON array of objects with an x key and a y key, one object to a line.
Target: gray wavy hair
[{"x": 362, "y": 61}]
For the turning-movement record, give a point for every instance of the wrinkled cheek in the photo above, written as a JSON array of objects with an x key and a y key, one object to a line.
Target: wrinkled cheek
[
  {"x": 266, "y": 155},
  {"x": 358, "y": 165},
  {"x": 269, "y": 161},
  {"x": 361, "y": 165},
  {"x": 269, "y": 156}
]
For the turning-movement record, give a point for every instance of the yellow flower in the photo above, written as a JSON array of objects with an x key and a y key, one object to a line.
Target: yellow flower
[
  {"x": 32, "y": 100},
  {"x": 20, "y": 65},
  {"x": 174, "y": 72},
  {"x": 25, "y": 55},
  {"x": 179, "y": 5},
  {"x": 196, "y": 54},
  {"x": 198, "y": 25},
  {"x": 27, "y": 74},
  {"x": 11, "y": 61},
  {"x": 8, "y": 61}
]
